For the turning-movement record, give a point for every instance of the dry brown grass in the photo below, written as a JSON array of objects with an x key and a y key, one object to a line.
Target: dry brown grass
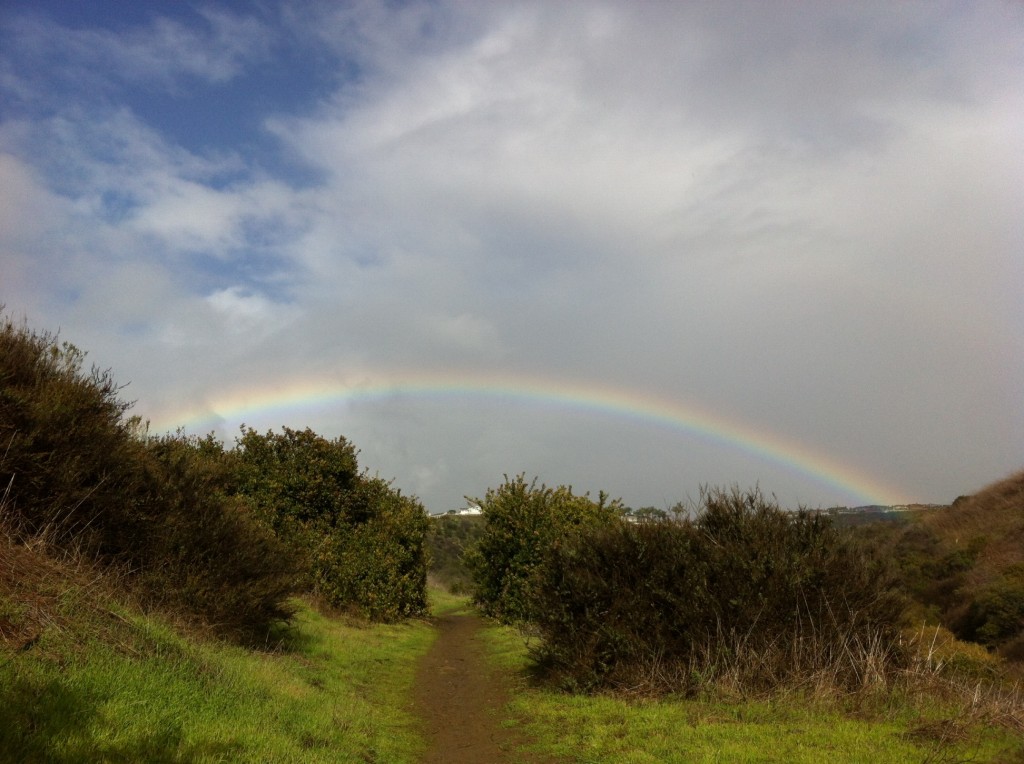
[
  {"x": 47, "y": 589},
  {"x": 996, "y": 514}
]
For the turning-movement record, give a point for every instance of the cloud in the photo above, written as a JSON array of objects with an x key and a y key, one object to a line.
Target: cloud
[
  {"x": 165, "y": 53},
  {"x": 805, "y": 219}
]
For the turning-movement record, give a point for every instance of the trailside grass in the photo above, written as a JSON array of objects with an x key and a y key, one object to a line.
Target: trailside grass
[
  {"x": 130, "y": 688},
  {"x": 604, "y": 729}
]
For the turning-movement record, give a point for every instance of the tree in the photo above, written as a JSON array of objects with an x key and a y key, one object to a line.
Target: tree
[
  {"x": 363, "y": 542},
  {"x": 522, "y": 524}
]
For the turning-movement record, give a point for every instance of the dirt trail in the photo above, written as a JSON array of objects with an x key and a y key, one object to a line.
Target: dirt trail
[{"x": 460, "y": 699}]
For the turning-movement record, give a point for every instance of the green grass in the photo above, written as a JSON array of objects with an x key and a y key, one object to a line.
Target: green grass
[
  {"x": 106, "y": 684},
  {"x": 602, "y": 729},
  {"x": 139, "y": 691}
]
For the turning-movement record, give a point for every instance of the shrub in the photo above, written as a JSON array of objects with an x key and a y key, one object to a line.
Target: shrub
[
  {"x": 746, "y": 593},
  {"x": 76, "y": 471},
  {"x": 995, "y": 614},
  {"x": 379, "y": 563},
  {"x": 68, "y": 465},
  {"x": 362, "y": 542},
  {"x": 522, "y": 522},
  {"x": 297, "y": 480},
  {"x": 205, "y": 552}
]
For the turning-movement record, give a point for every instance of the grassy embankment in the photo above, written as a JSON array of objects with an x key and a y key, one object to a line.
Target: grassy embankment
[
  {"x": 86, "y": 677},
  {"x": 925, "y": 726},
  {"x": 103, "y": 682}
]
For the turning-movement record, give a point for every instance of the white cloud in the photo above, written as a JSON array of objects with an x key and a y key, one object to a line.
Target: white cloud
[
  {"x": 160, "y": 54},
  {"x": 805, "y": 218}
]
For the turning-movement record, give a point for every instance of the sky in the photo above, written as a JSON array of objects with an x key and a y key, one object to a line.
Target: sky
[{"x": 637, "y": 248}]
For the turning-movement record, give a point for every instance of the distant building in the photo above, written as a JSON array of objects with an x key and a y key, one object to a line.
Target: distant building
[{"x": 469, "y": 510}]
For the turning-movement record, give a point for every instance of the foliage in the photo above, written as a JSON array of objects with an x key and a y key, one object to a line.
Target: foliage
[
  {"x": 961, "y": 565},
  {"x": 522, "y": 522},
  {"x": 996, "y": 612},
  {"x": 67, "y": 464},
  {"x": 746, "y": 592},
  {"x": 362, "y": 541},
  {"x": 212, "y": 557},
  {"x": 296, "y": 478},
  {"x": 450, "y": 538},
  {"x": 378, "y": 563},
  {"x": 76, "y": 472}
]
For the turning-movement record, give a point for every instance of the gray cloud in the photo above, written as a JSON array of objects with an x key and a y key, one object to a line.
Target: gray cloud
[{"x": 802, "y": 218}]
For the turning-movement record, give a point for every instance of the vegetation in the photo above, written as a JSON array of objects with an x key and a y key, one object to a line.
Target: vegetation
[
  {"x": 224, "y": 537},
  {"x": 450, "y": 538},
  {"x": 745, "y": 593},
  {"x": 78, "y": 473},
  {"x": 963, "y": 565},
  {"x": 362, "y": 542},
  {"x": 522, "y": 522},
  {"x": 86, "y": 677},
  {"x": 125, "y": 558},
  {"x": 927, "y": 721}
]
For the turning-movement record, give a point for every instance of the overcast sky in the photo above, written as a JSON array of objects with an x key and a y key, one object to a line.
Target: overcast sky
[{"x": 799, "y": 224}]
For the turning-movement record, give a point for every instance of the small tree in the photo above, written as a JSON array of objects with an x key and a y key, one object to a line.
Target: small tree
[
  {"x": 362, "y": 541},
  {"x": 522, "y": 523}
]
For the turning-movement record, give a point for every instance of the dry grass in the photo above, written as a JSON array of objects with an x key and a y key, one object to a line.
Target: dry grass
[{"x": 996, "y": 514}]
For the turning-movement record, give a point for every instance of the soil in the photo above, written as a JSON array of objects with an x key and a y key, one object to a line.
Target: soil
[{"x": 461, "y": 700}]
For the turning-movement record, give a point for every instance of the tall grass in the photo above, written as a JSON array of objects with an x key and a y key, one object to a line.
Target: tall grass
[{"x": 926, "y": 716}]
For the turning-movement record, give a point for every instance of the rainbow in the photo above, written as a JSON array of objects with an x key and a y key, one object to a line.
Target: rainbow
[{"x": 287, "y": 399}]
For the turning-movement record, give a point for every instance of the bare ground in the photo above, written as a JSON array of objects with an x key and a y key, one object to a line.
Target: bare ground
[{"x": 461, "y": 700}]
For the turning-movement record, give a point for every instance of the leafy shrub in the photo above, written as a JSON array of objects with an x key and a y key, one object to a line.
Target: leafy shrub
[
  {"x": 296, "y": 480},
  {"x": 206, "y": 553},
  {"x": 996, "y": 612},
  {"x": 522, "y": 522},
  {"x": 745, "y": 593},
  {"x": 68, "y": 465},
  {"x": 362, "y": 542},
  {"x": 79, "y": 473},
  {"x": 379, "y": 562}
]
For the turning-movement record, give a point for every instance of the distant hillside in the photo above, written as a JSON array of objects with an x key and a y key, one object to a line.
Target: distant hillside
[
  {"x": 846, "y": 517},
  {"x": 987, "y": 531},
  {"x": 964, "y": 564},
  {"x": 450, "y": 536}
]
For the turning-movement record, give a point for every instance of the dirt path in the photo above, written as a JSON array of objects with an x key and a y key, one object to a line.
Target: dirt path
[{"x": 460, "y": 699}]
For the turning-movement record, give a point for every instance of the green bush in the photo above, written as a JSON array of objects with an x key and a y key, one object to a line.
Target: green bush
[
  {"x": 522, "y": 522},
  {"x": 68, "y": 465},
  {"x": 745, "y": 593},
  {"x": 75, "y": 470},
  {"x": 995, "y": 614},
  {"x": 378, "y": 563},
  {"x": 207, "y": 554},
  {"x": 363, "y": 544},
  {"x": 297, "y": 480}
]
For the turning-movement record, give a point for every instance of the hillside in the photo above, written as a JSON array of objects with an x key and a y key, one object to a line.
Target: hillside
[
  {"x": 984, "y": 534},
  {"x": 963, "y": 565}
]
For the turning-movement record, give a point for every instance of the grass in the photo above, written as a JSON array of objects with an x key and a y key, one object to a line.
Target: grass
[
  {"x": 600, "y": 729},
  {"x": 90, "y": 680},
  {"x": 126, "y": 687}
]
